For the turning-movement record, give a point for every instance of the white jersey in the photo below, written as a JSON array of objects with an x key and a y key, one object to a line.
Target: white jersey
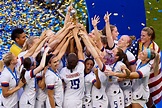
[
  {"x": 54, "y": 82},
  {"x": 131, "y": 57},
  {"x": 114, "y": 92},
  {"x": 74, "y": 82},
  {"x": 99, "y": 97},
  {"x": 41, "y": 95},
  {"x": 22, "y": 53},
  {"x": 126, "y": 85},
  {"x": 140, "y": 86},
  {"x": 9, "y": 80},
  {"x": 90, "y": 79},
  {"x": 29, "y": 94}
]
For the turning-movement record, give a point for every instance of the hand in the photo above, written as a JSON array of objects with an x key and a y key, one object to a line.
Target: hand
[
  {"x": 43, "y": 35},
  {"x": 123, "y": 67},
  {"x": 45, "y": 69},
  {"x": 70, "y": 25},
  {"x": 21, "y": 83},
  {"x": 70, "y": 37},
  {"x": 81, "y": 27},
  {"x": 46, "y": 49},
  {"x": 95, "y": 70},
  {"x": 95, "y": 20},
  {"x": 70, "y": 8},
  {"x": 81, "y": 33},
  {"x": 109, "y": 73},
  {"x": 106, "y": 17},
  {"x": 49, "y": 33}
]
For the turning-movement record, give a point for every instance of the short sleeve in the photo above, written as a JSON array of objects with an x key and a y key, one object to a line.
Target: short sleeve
[
  {"x": 39, "y": 76},
  {"x": 29, "y": 74},
  {"x": 131, "y": 58},
  {"x": 5, "y": 80},
  {"x": 50, "y": 81},
  {"x": 144, "y": 71}
]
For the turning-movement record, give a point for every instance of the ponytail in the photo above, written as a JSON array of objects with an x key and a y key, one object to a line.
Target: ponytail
[
  {"x": 22, "y": 77},
  {"x": 156, "y": 63}
]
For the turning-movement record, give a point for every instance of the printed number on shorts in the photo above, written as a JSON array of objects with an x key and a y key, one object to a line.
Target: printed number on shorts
[
  {"x": 115, "y": 104},
  {"x": 75, "y": 83}
]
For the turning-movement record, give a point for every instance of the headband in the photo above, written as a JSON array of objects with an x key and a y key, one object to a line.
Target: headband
[{"x": 148, "y": 53}]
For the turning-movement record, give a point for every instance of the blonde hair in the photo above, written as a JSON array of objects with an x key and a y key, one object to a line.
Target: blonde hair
[
  {"x": 7, "y": 58},
  {"x": 1, "y": 65},
  {"x": 28, "y": 42}
]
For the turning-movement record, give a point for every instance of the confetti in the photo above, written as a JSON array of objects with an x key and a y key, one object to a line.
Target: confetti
[
  {"x": 159, "y": 10},
  {"x": 142, "y": 24},
  {"x": 34, "y": 17},
  {"x": 115, "y": 14},
  {"x": 155, "y": 19}
]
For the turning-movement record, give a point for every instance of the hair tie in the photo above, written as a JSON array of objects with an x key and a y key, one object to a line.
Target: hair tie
[
  {"x": 148, "y": 53},
  {"x": 24, "y": 69}
]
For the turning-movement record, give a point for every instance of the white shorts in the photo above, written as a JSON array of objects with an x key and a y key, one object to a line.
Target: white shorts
[
  {"x": 40, "y": 104},
  {"x": 141, "y": 102},
  {"x": 15, "y": 106},
  {"x": 87, "y": 103},
  {"x": 72, "y": 103},
  {"x": 26, "y": 106},
  {"x": 127, "y": 96},
  {"x": 117, "y": 100},
  {"x": 100, "y": 103}
]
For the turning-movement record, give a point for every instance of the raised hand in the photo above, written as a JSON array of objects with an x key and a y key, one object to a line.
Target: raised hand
[
  {"x": 21, "y": 83},
  {"x": 95, "y": 70},
  {"x": 70, "y": 8},
  {"x": 43, "y": 35},
  {"x": 106, "y": 17},
  {"x": 95, "y": 20},
  {"x": 46, "y": 50},
  {"x": 69, "y": 25}
]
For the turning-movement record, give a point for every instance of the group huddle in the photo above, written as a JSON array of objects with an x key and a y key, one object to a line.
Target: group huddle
[{"x": 74, "y": 69}]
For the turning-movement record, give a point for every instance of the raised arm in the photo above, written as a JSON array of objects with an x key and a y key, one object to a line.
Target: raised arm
[
  {"x": 95, "y": 21},
  {"x": 67, "y": 17},
  {"x": 56, "y": 51},
  {"x": 97, "y": 84},
  {"x": 59, "y": 37},
  {"x": 42, "y": 63},
  {"x": 108, "y": 31},
  {"x": 91, "y": 49},
  {"x": 78, "y": 44},
  {"x": 63, "y": 49},
  {"x": 32, "y": 49}
]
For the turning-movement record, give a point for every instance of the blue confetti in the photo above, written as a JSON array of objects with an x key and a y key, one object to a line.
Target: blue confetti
[
  {"x": 159, "y": 10},
  {"x": 155, "y": 19}
]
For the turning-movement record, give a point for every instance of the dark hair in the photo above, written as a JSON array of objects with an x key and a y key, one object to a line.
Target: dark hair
[
  {"x": 39, "y": 57},
  {"x": 103, "y": 31},
  {"x": 72, "y": 61},
  {"x": 16, "y": 32},
  {"x": 150, "y": 31},
  {"x": 27, "y": 64},
  {"x": 104, "y": 39},
  {"x": 89, "y": 59},
  {"x": 122, "y": 57}
]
